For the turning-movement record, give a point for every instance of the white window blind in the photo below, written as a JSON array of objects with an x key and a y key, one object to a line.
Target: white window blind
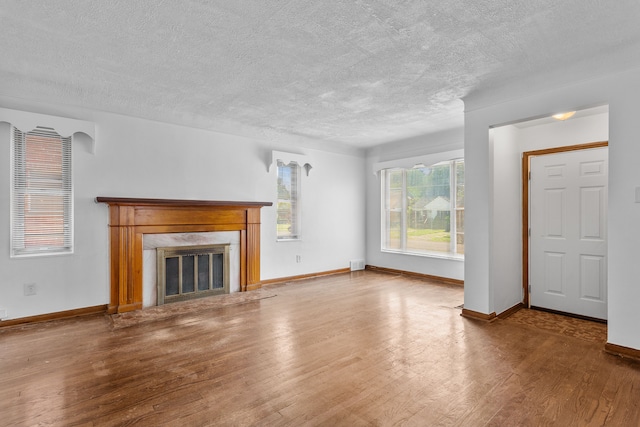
[
  {"x": 42, "y": 199},
  {"x": 288, "y": 223}
]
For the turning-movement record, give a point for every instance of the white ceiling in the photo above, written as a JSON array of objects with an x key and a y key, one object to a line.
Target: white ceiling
[{"x": 361, "y": 72}]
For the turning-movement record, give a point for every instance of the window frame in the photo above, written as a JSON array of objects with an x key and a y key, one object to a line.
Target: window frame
[
  {"x": 386, "y": 210},
  {"x": 294, "y": 200},
  {"x": 19, "y": 247}
]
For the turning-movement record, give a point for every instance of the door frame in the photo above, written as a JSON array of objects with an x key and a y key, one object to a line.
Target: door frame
[{"x": 526, "y": 165}]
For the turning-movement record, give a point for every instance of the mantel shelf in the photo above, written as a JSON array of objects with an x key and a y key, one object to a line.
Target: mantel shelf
[{"x": 125, "y": 201}]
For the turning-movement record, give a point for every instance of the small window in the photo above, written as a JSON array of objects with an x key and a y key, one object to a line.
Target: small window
[
  {"x": 423, "y": 209},
  {"x": 288, "y": 222},
  {"x": 41, "y": 193}
]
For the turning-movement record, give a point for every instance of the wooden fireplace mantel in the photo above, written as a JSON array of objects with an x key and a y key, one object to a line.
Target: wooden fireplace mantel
[{"x": 130, "y": 219}]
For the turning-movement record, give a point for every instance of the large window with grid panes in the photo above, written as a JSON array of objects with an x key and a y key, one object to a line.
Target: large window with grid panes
[{"x": 423, "y": 209}]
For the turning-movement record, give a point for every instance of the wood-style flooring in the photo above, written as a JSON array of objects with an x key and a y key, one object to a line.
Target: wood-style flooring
[{"x": 354, "y": 349}]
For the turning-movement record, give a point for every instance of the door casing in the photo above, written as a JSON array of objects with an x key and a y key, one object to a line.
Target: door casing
[{"x": 526, "y": 165}]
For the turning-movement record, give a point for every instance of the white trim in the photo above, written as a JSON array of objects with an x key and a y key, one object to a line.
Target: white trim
[
  {"x": 426, "y": 160},
  {"x": 26, "y": 122},
  {"x": 286, "y": 158},
  {"x": 426, "y": 254}
]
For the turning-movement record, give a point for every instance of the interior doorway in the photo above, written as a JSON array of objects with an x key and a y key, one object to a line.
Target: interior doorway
[{"x": 564, "y": 195}]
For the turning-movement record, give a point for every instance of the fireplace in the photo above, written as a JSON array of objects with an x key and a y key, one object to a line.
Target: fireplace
[
  {"x": 152, "y": 242},
  {"x": 131, "y": 219},
  {"x": 189, "y": 272}
]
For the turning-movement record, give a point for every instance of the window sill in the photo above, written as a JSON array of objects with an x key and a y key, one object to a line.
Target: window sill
[
  {"x": 452, "y": 257},
  {"x": 39, "y": 254}
]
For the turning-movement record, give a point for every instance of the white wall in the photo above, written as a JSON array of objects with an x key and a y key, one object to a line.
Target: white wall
[
  {"x": 141, "y": 158},
  {"x": 620, "y": 92},
  {"x": 579, "y": 130},
  {"x": 507, "y": 143},
  {"x": 506, "y": 218},
  {"x": 428, "y": 144}
]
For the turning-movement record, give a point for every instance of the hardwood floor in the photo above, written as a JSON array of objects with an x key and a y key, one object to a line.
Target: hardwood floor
[{"x": 354, "y": 349}]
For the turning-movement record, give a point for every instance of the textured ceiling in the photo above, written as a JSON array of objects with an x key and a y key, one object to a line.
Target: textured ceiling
[{"x": 359, "y": 72}]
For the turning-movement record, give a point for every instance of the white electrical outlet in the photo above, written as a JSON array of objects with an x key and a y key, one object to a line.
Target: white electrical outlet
[
  {"x": 298, "y": 258},
  {"x": 3, "y": 313},
  {"x": 30, "y": 289}
]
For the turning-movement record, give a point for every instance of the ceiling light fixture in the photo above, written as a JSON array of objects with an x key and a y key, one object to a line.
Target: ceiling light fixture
[{"x": 564, "y": 116}]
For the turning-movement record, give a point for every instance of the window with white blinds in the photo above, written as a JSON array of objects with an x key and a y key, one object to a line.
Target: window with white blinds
[
  {"x": 288, "y": 223},
  {"x": 41, "y": 200}
]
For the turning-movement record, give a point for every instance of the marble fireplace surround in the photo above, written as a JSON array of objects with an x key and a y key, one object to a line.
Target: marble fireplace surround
[
  {"x": 130, "y": 219},
  {"x": 175, "y": 240}
]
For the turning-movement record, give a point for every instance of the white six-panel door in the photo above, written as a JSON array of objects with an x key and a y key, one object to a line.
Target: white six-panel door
[{"x": 568, "y": 242}]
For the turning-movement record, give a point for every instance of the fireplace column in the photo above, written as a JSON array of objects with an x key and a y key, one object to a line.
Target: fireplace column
[
  {"x": 126, "y": 267},
  {"x": 253, "y": 251}
]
